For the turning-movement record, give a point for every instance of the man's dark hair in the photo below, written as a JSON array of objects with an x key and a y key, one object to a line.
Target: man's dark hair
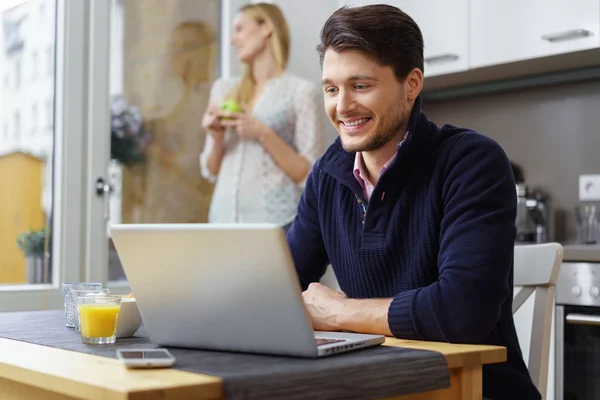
[{"x": 383, "y": 32}]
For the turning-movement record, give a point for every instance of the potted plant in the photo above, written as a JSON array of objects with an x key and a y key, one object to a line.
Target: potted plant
[
  {"x": 128, "y": 137},
  {"x": 33, "y": 244},
  {"x": 128, "y": 140}
]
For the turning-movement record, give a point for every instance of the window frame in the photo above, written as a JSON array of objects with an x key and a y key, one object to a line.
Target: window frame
[{"x": 68, "y": 180}]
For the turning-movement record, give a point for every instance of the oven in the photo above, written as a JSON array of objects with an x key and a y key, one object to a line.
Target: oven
[{"x": 577, "y": 336}]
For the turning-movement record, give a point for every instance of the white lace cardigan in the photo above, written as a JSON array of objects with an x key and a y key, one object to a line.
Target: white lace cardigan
[{"x": 250, "y": 186}]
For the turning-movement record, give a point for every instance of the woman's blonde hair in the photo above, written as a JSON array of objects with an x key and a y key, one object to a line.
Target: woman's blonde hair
[{"x": 279, "y": 42}]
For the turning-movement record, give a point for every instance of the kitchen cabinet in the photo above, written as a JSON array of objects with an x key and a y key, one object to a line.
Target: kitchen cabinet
[
  {"x": 504, "y": 31},
  {"x": 444, "y": 25}
]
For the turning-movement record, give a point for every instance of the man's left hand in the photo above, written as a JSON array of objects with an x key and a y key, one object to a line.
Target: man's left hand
[{"x": 325, "y": 306}]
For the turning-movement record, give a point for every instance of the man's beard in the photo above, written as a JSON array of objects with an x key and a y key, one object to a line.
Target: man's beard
[{"x": 388, "y": 127}]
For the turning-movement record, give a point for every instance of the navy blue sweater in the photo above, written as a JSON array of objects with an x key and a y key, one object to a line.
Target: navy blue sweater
[{"x": 440, "y": 242}]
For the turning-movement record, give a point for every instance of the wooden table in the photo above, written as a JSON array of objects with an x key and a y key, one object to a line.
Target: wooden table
[{"x": 29, "y": 371}]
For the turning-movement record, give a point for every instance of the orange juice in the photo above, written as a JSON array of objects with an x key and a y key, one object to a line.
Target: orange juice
[{"x": 98, "y": 320}]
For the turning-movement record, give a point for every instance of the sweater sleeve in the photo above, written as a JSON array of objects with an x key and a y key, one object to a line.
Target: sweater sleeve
[
  {"x": 304, "y": 236},
  {"x": 475, "y": 254}
]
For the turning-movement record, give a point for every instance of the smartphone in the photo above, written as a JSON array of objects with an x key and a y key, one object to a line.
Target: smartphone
[{"x": 146, "y": 358}]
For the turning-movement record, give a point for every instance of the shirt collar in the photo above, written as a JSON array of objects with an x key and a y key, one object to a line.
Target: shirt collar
[{"x": 359, "y": 170}]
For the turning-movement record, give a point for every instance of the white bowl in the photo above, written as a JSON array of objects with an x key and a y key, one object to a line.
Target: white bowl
[{"x": 129, "y": 320}]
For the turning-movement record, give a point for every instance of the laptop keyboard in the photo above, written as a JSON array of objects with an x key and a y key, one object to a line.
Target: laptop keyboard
[{"x": 322, "y": 341}]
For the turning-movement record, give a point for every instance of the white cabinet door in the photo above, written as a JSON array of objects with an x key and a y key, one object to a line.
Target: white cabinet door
[
  {"x": 505, "y": 31},
  {"x": 444, "y": 25}
]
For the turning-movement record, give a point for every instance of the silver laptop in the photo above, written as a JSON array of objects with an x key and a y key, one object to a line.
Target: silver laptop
[{"x": 229, "y": 287}]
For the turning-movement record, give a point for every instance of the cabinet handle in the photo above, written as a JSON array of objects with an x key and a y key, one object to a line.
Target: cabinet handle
[
  {"x": 583, "y": 319},
  {"x": 567, "y": 35},
  {"x": 441, "y": 58}
]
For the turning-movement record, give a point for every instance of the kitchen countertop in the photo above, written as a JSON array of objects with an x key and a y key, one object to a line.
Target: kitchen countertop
[{"x": 581, "y": 252}]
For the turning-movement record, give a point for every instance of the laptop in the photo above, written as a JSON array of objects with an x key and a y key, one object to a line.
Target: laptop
[{"x": 229, "y": 287}]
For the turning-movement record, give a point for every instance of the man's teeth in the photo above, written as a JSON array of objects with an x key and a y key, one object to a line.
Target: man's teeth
[{"x": 357, "y": 122}]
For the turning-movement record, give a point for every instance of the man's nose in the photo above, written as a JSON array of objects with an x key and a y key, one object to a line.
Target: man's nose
[{"x": 346, "y": 102}]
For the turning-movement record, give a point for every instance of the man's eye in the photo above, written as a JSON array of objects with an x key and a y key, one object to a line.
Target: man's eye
[
  {"x": 360, "y": 87},
  {"x": 330, "y": 90}
]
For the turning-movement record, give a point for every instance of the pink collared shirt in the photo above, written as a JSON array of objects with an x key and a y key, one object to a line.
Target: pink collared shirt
[{"x": 360, "y": 172}]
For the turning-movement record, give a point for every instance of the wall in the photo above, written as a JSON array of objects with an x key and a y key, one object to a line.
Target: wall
[
  {"x": 170, "y": 59},
  {"x": 304, "y": 59},
  {"x": 551, "y": 132}
]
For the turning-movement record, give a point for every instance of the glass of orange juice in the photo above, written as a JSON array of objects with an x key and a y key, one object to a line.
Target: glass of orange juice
[
  {"x": 98, "y": 316},
  {"x": 87, "y": 292}
]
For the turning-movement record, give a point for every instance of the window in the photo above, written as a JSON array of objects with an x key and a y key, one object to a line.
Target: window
[
  {"x": 17, "y": 124},
  {"x": 47, "y": 178},
  {"x": 34, "y": 118},
  {"x": 17, "y": 75},
  {"x": 50, "y": 60},
  {"x": 34, "y": 65},
  {"x": 50, "y": 114}
]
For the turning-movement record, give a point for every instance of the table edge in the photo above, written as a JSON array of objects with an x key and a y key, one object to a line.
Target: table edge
[{"x": 65, "y": 380}]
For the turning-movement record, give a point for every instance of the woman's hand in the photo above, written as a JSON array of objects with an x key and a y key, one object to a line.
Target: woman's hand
[
  {"x": 246, "y": 126},
  {"x": 212, "y": 124}
]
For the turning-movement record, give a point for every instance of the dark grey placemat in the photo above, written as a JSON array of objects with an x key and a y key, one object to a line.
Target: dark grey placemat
[{"x": 372, "y": 373}]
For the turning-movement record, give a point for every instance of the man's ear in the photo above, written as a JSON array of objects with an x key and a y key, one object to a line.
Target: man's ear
[{"x": 413, "y": 84}]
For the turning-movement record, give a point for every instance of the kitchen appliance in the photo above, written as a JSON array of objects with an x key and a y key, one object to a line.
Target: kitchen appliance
[
  {"x": 532, "y": 215},
  {"x": 577, "y": 331}
]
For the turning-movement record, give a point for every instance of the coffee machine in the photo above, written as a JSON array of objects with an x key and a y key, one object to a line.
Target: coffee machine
[
  {"x": 532, "y": 211},
  {"x": 532, "y": 215}
]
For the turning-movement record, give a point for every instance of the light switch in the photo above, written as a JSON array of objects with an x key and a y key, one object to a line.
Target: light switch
[{"x": 589, "y": 187}]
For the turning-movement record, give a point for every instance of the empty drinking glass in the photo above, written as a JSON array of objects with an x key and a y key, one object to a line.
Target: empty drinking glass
[
  {"x": 588, "y": 222},
  {"x": 68, "y": 299}
]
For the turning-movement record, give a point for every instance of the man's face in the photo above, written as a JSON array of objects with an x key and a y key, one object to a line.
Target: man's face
[{"x": 363, "y": 100}]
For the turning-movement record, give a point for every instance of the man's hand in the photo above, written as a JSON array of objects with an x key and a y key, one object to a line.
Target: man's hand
[
  {"x": 334, "y": 311},
  {"x": 324, "y": 306}
]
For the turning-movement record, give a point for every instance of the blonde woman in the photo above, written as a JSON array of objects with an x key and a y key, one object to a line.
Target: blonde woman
[{"x": 260, "y": 157}]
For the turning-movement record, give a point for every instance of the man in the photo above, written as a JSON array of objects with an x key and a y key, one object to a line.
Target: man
[{"x": 418, "y": 221}]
